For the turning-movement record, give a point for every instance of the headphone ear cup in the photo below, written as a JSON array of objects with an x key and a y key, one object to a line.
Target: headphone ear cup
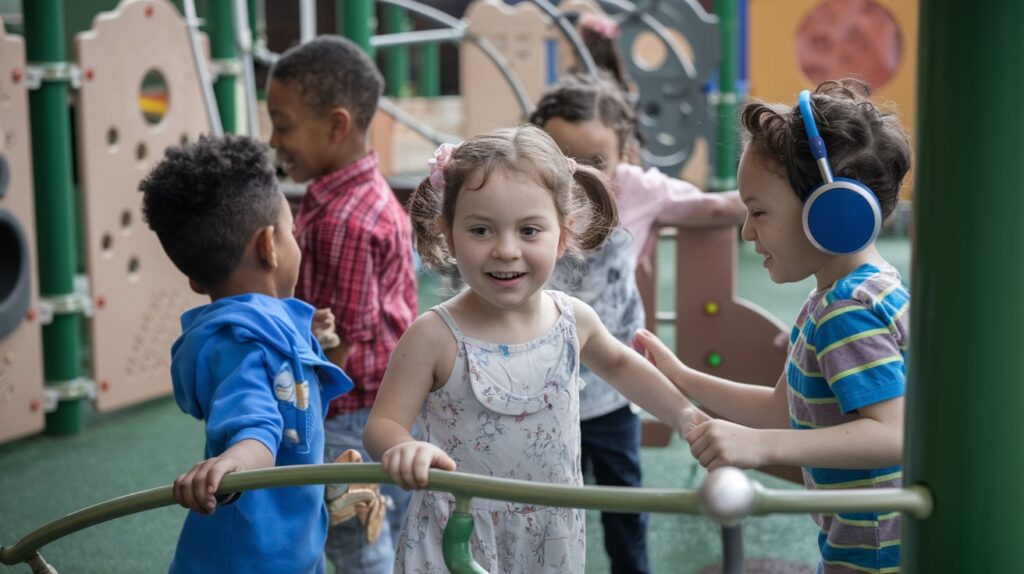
[{"x": 842, "y": 217}]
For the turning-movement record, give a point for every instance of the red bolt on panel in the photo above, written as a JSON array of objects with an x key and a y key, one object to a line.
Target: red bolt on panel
[
  {"x": 101, "y": 301},
  {"x": 104, "y": 385},
  {"x": 34, "y": 405},
  {"x": 30, "y": 315},
  {"x": 16, "y": 75},
  {"x": 89, "y": 74},
  {"x": 149, "y": 11}
]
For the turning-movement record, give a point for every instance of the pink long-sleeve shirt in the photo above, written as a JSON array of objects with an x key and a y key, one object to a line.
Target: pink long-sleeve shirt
[{"x": 647, "y": 198}]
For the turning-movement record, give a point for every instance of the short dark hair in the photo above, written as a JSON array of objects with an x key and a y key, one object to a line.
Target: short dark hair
[
  {"x": 206, "y": 200},
  {"x": 584, "y": 97},
  {"x": 333, "y": 72},
  {"x": 864, "y": 143}
]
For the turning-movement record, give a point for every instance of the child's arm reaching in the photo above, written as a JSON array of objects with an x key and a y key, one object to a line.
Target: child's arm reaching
[
  {"x": 195, "y": 488},
  {"x": 630, "y": 373},
  {"x": 874, "y": 440},
  {"x": 423, "y": 355},
  {"x": 750, "y": 405}
]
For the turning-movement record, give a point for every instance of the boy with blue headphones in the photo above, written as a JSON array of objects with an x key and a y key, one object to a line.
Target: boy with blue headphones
[{"x": 818, "y": 180}]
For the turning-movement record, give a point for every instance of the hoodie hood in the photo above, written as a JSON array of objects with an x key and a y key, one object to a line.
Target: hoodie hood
[{"x": 282, "y": 325}]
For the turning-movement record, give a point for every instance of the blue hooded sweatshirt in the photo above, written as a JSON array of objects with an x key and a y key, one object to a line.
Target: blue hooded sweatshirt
[{"x": 249, "y": 366}]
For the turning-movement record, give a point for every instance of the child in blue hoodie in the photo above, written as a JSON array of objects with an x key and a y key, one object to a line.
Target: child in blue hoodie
[{"x": 247, "y": 363}]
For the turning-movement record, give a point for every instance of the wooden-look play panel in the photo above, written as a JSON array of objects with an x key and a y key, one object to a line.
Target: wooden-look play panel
[
  {"x": 21, "y": 355},
  {"x": 139, "y": 96}
]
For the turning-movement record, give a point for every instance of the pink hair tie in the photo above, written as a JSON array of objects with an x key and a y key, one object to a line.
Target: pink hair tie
[
  {"x": 441, "y": 160},
  {"x": 571, "y": 163},
  {"x": 601, "y": 25}
]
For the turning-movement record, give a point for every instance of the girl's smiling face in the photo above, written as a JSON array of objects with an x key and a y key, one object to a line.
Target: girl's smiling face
[{"x": 506, "y": 237}]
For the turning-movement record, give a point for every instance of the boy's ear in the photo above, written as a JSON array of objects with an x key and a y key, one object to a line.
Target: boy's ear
[
  {"x": 265, "y": 247},
  {"x": 342, "y": 122},
  {"x": 196, "y": 287}
]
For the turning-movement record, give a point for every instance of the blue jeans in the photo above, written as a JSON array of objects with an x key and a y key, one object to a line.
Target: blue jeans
[
  {"x": 346, "y": 546},
  {"x": 611, "y": 447}
]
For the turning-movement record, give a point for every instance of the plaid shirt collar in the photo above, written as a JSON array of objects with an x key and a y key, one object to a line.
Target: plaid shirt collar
[{"x": 323, "y": 190}]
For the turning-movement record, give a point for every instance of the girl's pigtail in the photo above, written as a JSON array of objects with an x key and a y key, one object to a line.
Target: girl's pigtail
[
  {"x": 428, "y": 236},
  {"x": 599, "y": 203}
]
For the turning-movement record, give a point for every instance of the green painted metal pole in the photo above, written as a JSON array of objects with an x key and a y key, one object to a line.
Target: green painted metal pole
[
  {"x": 222, "y": 49},
  {"x": 396, "y": 58},
  {"x": 966, "y": 367},
  {"x": 727, "y": 149},
  {"x": 56, "y": 222},
  {"x": 455, "y": 547},
  {"x": 430, "y": 70},
  {"x": 357, "y": 22}
]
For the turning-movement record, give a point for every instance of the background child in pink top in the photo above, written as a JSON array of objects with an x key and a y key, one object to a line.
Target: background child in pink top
[{"x": 589, "y": 118}]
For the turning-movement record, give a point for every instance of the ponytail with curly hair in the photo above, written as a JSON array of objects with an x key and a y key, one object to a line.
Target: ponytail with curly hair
[
  {"x": 864, "y": 143},
  {"x": 582, "y": 195}
]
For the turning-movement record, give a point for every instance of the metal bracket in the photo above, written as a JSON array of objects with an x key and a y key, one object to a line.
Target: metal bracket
[
  {"x": 63, "y": 305},
  {"x": 38, "y": 72},
  {"x": 73, "y": 390},
  {"x": 225, "y": 67}
]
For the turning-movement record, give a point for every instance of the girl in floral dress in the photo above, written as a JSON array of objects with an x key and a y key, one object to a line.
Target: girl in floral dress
[{"x": 492, "y": 376}]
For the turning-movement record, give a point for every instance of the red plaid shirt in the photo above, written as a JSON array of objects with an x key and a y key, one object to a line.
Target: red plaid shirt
[{"x": 356, "y": 245}]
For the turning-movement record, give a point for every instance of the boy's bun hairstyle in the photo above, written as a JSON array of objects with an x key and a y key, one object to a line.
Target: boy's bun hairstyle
[
  {"x": 206, "y": 200},
  {"x": 333, "y": 72},
  {"x": 583, "y": 198},
  {"x": 585, "y": 97},
  {"x": 864, "y": 143}
]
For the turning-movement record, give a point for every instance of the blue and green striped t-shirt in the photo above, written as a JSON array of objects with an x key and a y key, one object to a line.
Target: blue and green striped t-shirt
[{"x": 848, "y": 351}]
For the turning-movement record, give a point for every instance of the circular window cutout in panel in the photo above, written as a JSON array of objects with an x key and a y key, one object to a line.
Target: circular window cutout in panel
[
  {"x": 648, "y": 51},
  {"x": 154, "y": 97},
  {"x": 849, "y": 38},
  {"x": 14, "y": 270},
  {"x": 133, "y": 268}
]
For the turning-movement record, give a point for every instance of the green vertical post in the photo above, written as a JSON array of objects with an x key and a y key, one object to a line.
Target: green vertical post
[
  {"x": 727, "y": 149},
  {"x": 357, "y": 22},
  {"x": 430, "y": 70},
  {"x": 966, "y": 367},
  {"x": 222, "y": 49},
  {"x": 396, "y": 58},
  {"x": 56, "y": 222}
]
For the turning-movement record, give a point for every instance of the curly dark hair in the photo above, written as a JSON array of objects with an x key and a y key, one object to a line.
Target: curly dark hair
[
  {"x": 585, "y": 97},
  {"x": 864, "y": 143},
  {"x": 206, "y": 200},
  {"x": 333, "y": 72}
]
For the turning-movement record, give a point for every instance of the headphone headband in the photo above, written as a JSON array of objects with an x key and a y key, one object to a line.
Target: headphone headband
[{"x": 813, "y": 138}]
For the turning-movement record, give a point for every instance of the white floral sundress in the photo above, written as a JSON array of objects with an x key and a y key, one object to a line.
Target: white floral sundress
[{"x": 509, "y": 411}]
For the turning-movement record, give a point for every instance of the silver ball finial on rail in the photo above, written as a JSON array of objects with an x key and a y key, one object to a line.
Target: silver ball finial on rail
[{"x": 727, "y": 495}]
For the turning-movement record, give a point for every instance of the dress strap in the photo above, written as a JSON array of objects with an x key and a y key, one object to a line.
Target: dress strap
[
  {"x": 564, "y": 304},
  {"x": 450, "y": 321}
]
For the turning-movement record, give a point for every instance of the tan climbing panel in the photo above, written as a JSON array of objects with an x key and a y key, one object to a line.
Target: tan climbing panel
[
  {"x": 138, "y": 294},
  {"x": 522, "y": 33},
  {"x": 21, "y": 354}
]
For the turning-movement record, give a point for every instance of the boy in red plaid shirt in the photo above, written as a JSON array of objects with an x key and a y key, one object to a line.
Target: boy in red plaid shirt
[{"x": 356, "y": 247}]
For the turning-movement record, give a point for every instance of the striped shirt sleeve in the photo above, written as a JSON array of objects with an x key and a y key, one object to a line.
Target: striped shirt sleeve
[{"x": 859, "y": 356}]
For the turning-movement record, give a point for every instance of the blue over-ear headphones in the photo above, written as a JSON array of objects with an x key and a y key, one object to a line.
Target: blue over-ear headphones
[{"x": 842, "y": 216}]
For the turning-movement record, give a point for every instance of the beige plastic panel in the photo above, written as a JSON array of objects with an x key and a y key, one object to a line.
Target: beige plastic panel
[
  {"x": 21, "y": 353},
  {"x": 520, "y": 33},
  {"x": 138, "y": 295},
  {"x": 776, "y": 75}
]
